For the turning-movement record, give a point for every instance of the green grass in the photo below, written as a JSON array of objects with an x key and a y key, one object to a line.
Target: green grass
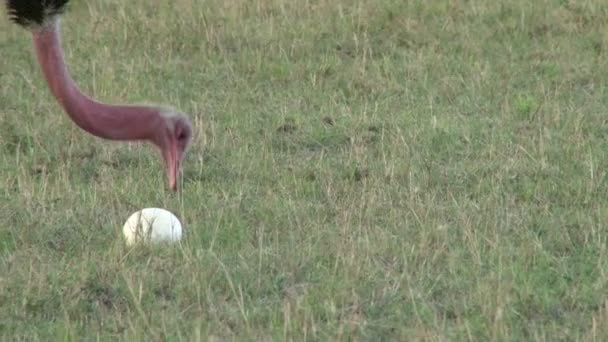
[{"x": 361, "y": 170}]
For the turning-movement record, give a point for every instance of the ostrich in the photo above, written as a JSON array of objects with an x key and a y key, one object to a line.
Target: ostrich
[{"x": 166, "y": 128}]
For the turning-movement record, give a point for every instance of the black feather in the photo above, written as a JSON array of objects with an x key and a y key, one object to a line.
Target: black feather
[{"x": 28, "y": 13}]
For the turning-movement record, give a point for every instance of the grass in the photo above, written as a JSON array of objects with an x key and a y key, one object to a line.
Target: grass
[{"x": 362, "y": 170}]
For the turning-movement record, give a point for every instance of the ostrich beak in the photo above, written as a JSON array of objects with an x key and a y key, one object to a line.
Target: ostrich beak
[{"x": 172, "y": 164}]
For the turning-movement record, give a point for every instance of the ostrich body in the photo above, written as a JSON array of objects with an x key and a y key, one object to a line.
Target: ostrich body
[{"x": 168, "y": 129}]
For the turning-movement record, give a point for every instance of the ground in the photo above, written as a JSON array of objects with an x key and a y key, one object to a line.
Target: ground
[{"x": 361, "y": 170}]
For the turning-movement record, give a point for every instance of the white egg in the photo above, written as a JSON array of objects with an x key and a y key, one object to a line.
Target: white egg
[{"x": 152, "y": 225}]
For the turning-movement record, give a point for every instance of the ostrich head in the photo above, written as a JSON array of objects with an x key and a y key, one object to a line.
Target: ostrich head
[{"x": 173, "y": 139}]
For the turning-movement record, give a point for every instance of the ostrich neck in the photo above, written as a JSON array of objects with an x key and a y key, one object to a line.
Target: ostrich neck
[{"x": 114, "y": 122}]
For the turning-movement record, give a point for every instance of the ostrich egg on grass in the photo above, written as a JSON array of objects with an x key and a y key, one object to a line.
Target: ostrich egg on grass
[{"x": 152, "y": 225}]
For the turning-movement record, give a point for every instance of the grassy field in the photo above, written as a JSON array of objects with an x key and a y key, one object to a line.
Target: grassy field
[{"x": 361, "y": 170}]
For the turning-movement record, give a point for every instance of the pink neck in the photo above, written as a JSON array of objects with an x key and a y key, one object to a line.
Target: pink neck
[{"x": 115, "y": 122}]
